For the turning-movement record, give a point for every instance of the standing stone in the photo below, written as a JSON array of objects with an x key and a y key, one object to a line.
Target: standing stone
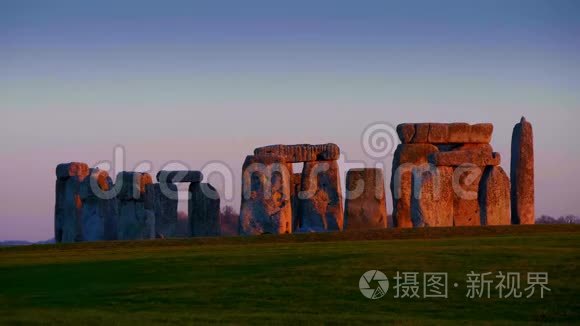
[
  {"x": 266, "y": 197},
  {"x": 365, "y": 204},
  {"x": 321, "y": 204},
  {"x": 131, "y": 185},
  {"x": 99, "y": 211},
  {"x": 59, "y": 208},
  {"x": 71, "y": 222},
  {"x": 522, "y": 174},
  {"x": 295, "y": 199},
  {"x": 72, "y": 169},
  {"x": 131, "y": 220},
  {"x": 68, "y": 205},
  {"x": 204, "y": 210},
  {"x": 135, "y": 221},
  {"x": 407, "y": 157},
  {"x": 466, "y": 180},
  {"x": 432, "y": 201},
  {"x": 494, "y": 197},
  {"x": 165, "y": 204}
]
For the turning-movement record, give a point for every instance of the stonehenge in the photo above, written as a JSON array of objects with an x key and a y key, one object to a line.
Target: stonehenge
[
  {"x": 275, "y": 200},
  {"x": 443, "y": 175},
  {"x": 522, "y": 173},
  {"x": 90, "y": 207},
  {"x": 448, "y": 175}
]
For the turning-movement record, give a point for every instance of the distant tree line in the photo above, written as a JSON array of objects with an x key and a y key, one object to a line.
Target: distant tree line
[{"x": 568, "y": 219}]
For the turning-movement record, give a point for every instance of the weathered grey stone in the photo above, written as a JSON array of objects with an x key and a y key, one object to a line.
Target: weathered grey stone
[
  {"x": 96, "y": 185},
  {"x": 66, "y": 170},
  {"x": 301, "y": 152},
  {"x": 406, "y": 132},
  {"x": 99, "y": 212},
  {"x": 480, "y": 133},
  {"x": 204, "y": 210},
  {"x": 266, "y": 196},
  {"x": 494, "y": 197},
  {"x": 68, "y": 206},
  {"x": 445, "y": 133},
  {"x": 132, "y": 220},
  {"x": 522, "y": 174},
  {"x": 59, "y": 208},
  {"x": 93, "y": 221},
  {"x": 464, "y": 133},
  {"x": 136, "y": 221},
  {"x": 149, "y": 225},
  {"x": 438, "y": 133},
  {"x": 458, "y": 132},
  {"x": 110, "y": 210},
  {"x": 365, "y": 204},
  {"x": 413, "y": 153},
  {"x": 296, "y": 181},
  {"x": 165, "y": 207},
  {"x": 150, "y": 195},
  {"x": 179, "y": 176},
  {"x": 66, "y": 210},
  {"x": 71, "y": 221},
  {"x": 457, "y": 158},
  {"x": 131, "y": 185},
  {"x": 321, "y": 200},
  {"x": 407, "y": 157},
  {"x": 432, "y": 200},
  {"x": 466, "y": 210}
]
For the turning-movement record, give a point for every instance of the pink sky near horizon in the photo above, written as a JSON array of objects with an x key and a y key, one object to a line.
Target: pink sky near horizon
[
  {"x": 29, "y": 201},
  {"x": 197, "y": 81}
]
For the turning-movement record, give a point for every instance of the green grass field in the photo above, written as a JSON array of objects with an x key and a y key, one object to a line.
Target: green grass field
[{"x": 296, "y": 279}]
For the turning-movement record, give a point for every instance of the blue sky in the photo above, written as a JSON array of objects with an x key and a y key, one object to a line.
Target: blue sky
[{"x": 198, "y": 81}]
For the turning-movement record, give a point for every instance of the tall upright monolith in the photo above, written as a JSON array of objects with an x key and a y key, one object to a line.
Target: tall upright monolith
[
  {"x": 365, "y": 203},
  {"x": 204, "y": 210},
  {"x": 68, "y": 204},
  {"x": 522, "y": 174}
]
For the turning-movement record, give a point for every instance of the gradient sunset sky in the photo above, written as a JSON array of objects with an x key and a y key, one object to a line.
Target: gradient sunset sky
[{"x": 198, "y": 81}]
